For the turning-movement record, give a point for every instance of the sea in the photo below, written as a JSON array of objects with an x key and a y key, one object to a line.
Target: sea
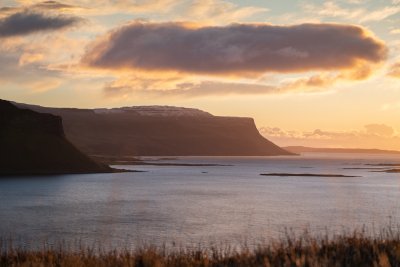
[{"x": 202, "y": 205}]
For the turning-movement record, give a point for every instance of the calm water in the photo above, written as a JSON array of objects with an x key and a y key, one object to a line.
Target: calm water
[{"x": 190, "y": 205}]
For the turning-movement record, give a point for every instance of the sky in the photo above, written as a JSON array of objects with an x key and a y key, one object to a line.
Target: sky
[{"x": 312, "y": 73}]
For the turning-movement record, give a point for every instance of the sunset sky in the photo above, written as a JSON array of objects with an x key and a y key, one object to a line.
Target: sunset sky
[{"x": 314, "y": 73}]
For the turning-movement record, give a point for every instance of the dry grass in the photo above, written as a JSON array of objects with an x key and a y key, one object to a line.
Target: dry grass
[{"x": 357, "y": 249}]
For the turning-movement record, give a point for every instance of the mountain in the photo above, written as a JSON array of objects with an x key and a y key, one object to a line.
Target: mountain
[
  {"x": 34, "y": 143},
  {"x": 303, "y": 149},
  {"x": 162, "y": 111},
  {"x": 161, "y": 131}
]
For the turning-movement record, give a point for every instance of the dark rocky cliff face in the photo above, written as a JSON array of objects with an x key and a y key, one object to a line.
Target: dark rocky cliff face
[
  {"x": 13, "y": 118},
  {"x": 130, "y": 131},
  {"x": 34, "y": 143}
]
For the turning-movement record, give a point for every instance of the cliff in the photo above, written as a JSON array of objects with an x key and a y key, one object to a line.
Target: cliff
[
  {"x": 161, "y": 131},
  {"x": 34, "y": 143}
]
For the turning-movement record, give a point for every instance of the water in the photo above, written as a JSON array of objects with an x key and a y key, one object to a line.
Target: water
[{"x": 192, "y": 205}]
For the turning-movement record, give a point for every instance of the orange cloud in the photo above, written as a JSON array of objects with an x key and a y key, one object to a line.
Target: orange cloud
[
  {"x": 220, "y": 11},
  {"x": 395, "y": 70},
  {"x": 186, "y": 87},
  {"x": 28, "y": 58},
  {"x": 379, "y": 129},
  {"x": 235, "y": 49}
]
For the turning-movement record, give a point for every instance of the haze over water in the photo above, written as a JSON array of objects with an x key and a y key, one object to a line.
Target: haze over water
[{"x": 202, "y": 204}]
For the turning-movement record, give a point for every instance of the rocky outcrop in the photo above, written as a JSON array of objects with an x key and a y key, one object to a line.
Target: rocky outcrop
[{"x": 34, "y": 143}]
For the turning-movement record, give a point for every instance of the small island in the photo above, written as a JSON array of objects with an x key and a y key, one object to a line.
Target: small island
[{"x": 306, "y": 175}]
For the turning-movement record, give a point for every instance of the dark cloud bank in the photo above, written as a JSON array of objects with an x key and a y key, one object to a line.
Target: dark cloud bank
[
  {"x": 26, "y": 22},
  {"x": 53, "y": 5},
  {"x": 237, "y": 48}
]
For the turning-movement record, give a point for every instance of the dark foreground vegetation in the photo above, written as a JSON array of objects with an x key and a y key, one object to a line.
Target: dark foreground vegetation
[{"x": 357, "y": 249}]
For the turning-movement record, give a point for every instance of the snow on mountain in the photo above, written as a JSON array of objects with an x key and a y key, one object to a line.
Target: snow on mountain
[{"x": 164, "y": 111}]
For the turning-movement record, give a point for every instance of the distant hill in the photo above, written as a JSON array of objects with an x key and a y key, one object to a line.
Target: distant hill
[
  {"x": 34, "y": 143},
  {"x": 161, "y": 131},
  {"x": 303, "y": 149},
  {"x": 162, "y": 111}
]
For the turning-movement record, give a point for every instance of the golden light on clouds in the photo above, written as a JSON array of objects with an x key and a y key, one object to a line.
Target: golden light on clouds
[
  {"x": 395, "y": 70},
  {"x": 235, "y": 49},
  {"x": 192, "y": 60},
  {"x": 372, "y": 135},
  {"x": 214, "y": 54},
  {"x": 28, "y": 58}
]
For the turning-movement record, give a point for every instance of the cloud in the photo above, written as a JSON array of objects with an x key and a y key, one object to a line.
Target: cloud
[
  {"x": 18, "y": 73},
  {"x": 395, "y": 70},
  {"x": 391, "y": 106},
  {"x": 379, "y": 129},
  {"x": 395, "y": 31},
  {"x": 379, "y": 136},
  {"x": 53, "y": 5},
  {"x": 189, "y": 89},
  {"x": 235, "y": 49},
  {"x": 104, "y": 7},
  {"x": 29, "y": 58},
  {"x": 381, "y": 14},
  {"x": 214, "y": 11},
  {"x": 219, "y": 11},
  {"x": 331, "y": 9},
  {"x": 138, "y": 52},
  {"x": 26, "y": 22},
  {"x": 24, "y": 62}
]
